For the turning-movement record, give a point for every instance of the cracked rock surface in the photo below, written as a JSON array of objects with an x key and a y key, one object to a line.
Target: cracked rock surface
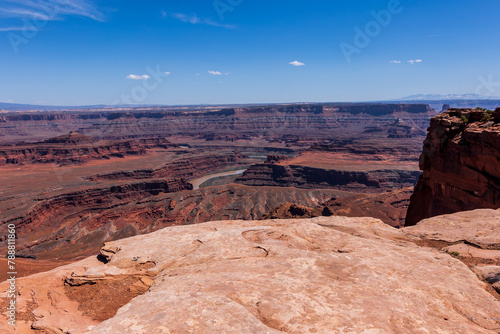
[{"x": 320, "y": 275}]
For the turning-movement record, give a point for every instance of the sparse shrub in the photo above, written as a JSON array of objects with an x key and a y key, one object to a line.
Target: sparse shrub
[
  {"x": 486, "y": 117},
  {"x": 465, "y": 119},
  {"x": 457, "y": 254}
]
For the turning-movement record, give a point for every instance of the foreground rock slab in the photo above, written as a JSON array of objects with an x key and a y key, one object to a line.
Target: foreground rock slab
[
  {"x": 480, "y": 228},
  {"x": 321, "y": 275}
]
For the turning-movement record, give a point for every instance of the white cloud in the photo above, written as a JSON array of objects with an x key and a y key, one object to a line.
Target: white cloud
[
  {"x": 395, "y": 61},
  {"x": 413, "y": 61},
  {"x": 195, "y": 19},
  {"x": 49, "y": 10},
  {"x": 137, "y": 77},
  {"x": 218, "y": 73},
  {"x": 296, "y": 63},
  {"x": 167, "y": 73}
]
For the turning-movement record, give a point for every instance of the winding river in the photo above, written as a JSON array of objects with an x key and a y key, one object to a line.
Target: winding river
[{"x": 198, "y": 182}]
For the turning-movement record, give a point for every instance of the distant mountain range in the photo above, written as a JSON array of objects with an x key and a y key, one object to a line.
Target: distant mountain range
[
  {"x": 448, "y": 97},
  {"x": 27, "y": 107},
  {"x": 434, "y": 100}
]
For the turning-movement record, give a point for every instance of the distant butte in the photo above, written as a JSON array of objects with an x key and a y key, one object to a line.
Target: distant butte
[{"x": 71, "y": 138}]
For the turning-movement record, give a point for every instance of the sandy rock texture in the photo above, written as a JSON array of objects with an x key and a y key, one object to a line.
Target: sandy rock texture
[
  {"x": 320, "y": 275},
  {"x": 471, "y": 236},
  {"x": 480, "y": 228}
]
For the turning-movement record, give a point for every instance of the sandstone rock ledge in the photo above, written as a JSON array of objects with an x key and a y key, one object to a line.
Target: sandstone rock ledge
[{"x": 320, "y": 275}]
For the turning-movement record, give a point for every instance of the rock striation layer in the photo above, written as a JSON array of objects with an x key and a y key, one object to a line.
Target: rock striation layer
[
  {"x": 390, "y": 207},
  {"x": 72, "y": 221},
  {"x": 460, "y": 164},
  {"x": 321, "y": 275},
  {"x": 280, "y": 122},
  {"x": 75, "y": 148},
  {"x": 271, "y": 174},
  {"x": 195, "y": 166}
]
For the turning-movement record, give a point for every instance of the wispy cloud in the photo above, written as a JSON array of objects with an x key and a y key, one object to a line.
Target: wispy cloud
[
  {"x": 414, "y": 61},
  {"x": 12, "y": 28},
  {"x": 440, "y": 35},
  {"x": 49, "y": 9},
  {"x": 296, "y": 63},
  {"x": 411, "y": 61},
  {"x": 195, "y": 19},
  {"x": 137, "y": 77},
  {"x": 218, "y": 73}
]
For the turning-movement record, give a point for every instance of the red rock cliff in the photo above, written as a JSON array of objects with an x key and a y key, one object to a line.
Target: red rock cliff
[{"x": 460, "y": 163}]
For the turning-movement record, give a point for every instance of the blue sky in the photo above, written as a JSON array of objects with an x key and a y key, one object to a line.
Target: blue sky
[{"x": 78, "y": 52}]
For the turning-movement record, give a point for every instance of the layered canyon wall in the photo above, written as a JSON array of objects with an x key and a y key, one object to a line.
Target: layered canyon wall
[
  {"x": 460, "y": 164},
  {"x": 270, "y": 174},
  {"x": 231, "y": 123},
  {"x": 195, "y": 166},
  {"x": 75, "y": 148}
]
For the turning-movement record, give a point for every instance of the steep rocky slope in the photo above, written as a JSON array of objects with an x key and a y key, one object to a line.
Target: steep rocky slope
[
  {"x": 71, "y": 220},
  {"x": 460, "y": 163},
  {"x": 321, "y": 275},
  {"x": 70, "y": 225},
  {"x": 389, "y": 207}
]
